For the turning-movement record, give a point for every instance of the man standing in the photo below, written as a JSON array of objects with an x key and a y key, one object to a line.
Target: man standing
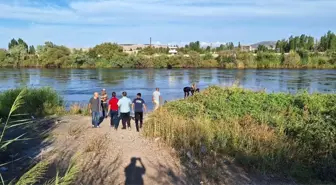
[
  {"x": 125, "y": 109},
  {"x": 156, "y": 98},
  {"x": 138, "y": 107},
  {"x": 113, "y": 111},
  {"x": 104, "y": 99},
  {"x": 95, "y": 108}
]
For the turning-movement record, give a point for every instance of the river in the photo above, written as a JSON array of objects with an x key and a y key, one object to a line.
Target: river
[{"x": 78, "y": 85}]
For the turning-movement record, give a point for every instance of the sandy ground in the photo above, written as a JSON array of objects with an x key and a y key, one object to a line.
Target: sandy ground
[{"x": 106, "y": 157}]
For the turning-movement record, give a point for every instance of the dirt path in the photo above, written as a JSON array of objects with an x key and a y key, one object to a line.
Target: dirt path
[
  {"x": 107, "y": 154},
  {"x": 106, "y": 157}
]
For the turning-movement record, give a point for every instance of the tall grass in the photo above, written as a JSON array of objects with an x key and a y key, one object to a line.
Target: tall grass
[
  {"x": 37, "y": 102},
  {"x": 81, "y": 109},
  {"x": 282, "y": 133},
  {"x": 19, "y": 103}
]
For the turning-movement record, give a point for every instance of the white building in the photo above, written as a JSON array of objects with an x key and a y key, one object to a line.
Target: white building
[{"x": 172, "y": 50}]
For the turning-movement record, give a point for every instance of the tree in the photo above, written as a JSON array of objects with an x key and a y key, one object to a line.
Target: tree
[
  {"x": 22, "y": 42},
  {"x": 106, "y": 51},
  {"x": 208, "y": 49},
  {"x": 3, "y": 55},
  {"x": 18, "y": 52},
  {"x": 327, "y": 42},
  {"x": 262, "y": 48},
  {"x": 239, "y": 46},
  {"x": 31, "y": 50},
  {"x": 195, "y": 46},
  {"x": 230, "y": 46},
  {"x": 12, "y": 43},
  {"x": 282, "y": 46}
]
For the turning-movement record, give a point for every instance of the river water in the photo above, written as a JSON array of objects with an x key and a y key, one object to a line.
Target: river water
[{"x": 78, "y": 85}]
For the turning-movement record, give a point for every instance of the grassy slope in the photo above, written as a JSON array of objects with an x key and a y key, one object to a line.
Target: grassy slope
[{"x": 279, "y": 133}]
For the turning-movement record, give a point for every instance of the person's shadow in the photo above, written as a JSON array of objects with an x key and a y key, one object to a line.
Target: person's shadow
[{"x": 134, "y": 173}]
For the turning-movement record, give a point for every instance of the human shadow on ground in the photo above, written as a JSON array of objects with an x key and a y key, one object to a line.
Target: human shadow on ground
[{"x": 134, "y": 173}]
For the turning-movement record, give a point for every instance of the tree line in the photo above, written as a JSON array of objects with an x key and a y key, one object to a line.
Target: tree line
[
  {"x": 300, "y": 51},
  {"x": 308, "y": 43}
]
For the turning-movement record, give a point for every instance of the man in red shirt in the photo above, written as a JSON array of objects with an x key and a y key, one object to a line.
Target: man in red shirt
[{"x": 113, "y": 111}]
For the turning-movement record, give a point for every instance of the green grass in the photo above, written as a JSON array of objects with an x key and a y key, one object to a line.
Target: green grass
[
  {"x": 37, "y": 102},
  {"x": 279, "y": 133}
]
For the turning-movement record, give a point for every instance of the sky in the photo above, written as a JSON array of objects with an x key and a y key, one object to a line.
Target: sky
[{"x": 85, "y": 23}]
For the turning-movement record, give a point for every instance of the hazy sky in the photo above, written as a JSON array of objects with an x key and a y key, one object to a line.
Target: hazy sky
[{"x": 84, "y": 23}]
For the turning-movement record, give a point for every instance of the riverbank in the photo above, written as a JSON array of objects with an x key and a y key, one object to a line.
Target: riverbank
[
  {"x": 283, "y": 134},
  {"x": 220, "y": 136},
  {"x": 60, "y": 57}
]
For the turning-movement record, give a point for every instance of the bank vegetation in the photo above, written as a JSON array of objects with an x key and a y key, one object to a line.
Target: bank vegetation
[
  {"x": 295, "y": 52},
  {"x": 278, "y": 133}
]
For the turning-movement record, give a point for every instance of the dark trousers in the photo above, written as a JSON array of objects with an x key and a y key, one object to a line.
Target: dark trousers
[
  {"x": 125, "y": 118},
  {"x": 138, "y": 117},
  {"x": 104, "y": 109},
  {"x": 114, "y": 119}
]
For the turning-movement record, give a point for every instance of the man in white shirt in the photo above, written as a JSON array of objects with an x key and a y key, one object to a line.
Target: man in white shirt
[
  {"x": 156, "y": 98},
  {"x": 125, "y": 109}
]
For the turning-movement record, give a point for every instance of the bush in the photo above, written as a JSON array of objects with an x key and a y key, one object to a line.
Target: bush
[
  {"x": 291, "y": 134},
  {"x": 37, "y": 102},
  {"x": 292, "y": 60},
  {"x": 268, "y": 60},
  {"x": 304, "y": 55},
  {"x": 226, "y": 59}
]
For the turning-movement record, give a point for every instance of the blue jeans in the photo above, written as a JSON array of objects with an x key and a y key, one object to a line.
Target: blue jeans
[
  {"x": 95, "y": 118},
  {"x": 114, "y": 119}
]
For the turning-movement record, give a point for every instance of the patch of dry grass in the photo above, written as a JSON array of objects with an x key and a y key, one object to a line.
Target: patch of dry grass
[
  {"x": 96, "y": 145},
  {"x": 78, "y": 108},
  {"x": 75, "y": 130}
]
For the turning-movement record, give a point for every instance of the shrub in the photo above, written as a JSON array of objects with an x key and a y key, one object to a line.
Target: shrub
[
  {"x": 292, "y": 60},
  {"x": 267, "y": 60},
  {"x": 291, "y": 134},
  {"x": 37, "y": 102}
]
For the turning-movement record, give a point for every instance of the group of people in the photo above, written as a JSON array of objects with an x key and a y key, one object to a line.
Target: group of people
[{"x": 100, "y": 107}]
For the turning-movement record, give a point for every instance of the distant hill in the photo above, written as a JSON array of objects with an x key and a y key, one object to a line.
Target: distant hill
[{"x": 265, "y": 43}]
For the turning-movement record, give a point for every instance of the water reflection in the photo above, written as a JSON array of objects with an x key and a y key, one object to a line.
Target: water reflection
[{"x": 78, "y": 84}]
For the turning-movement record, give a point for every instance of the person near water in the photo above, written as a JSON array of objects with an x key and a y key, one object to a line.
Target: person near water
[
  {"x": 104, "y": 102},
  {"x": 191, "y": 90},
  {"x": 124, "y": 105},
  {"x": 138, "y": 108},
  {"x": 95, "y": 108},
  {"x": 156, "y": 98},
  {"x": 113, "y": 111}
]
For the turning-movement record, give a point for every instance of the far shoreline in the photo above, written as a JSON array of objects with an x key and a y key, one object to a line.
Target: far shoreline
[{"x": 178, "y": 68}]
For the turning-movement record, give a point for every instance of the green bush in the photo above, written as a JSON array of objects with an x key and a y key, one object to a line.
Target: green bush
[
  {"x": 37, "y": 102},
  {"x": 268, "y": 60},
  {"x": 292, "y": 60}
]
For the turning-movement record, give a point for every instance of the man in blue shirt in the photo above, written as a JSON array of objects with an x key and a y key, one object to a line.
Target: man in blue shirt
[
  {"x": 125, "y": 109},
  {"x": 138, "y": 107}
]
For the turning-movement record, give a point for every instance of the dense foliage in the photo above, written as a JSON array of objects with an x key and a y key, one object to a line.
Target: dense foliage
[
  {"x": 291, "y": 134},
  {"x": 37, "y": 102},
  {"x": 304, "y": 42},
  {"x": 296, "y": 52}
]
